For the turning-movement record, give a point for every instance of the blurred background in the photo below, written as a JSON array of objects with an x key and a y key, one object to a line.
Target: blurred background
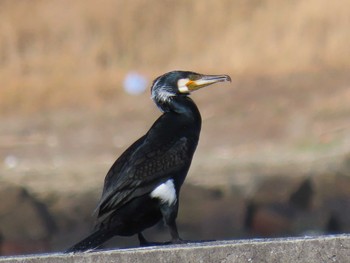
[{"x": 274, "y": 154}]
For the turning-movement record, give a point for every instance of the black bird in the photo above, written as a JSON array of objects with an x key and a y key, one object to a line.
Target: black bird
[{"x": 143, "y": 184}]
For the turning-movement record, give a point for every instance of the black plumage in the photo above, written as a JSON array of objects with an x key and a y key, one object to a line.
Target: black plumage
[{"x": 143, "y": 184}]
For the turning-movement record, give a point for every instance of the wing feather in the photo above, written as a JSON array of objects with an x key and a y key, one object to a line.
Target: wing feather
[{"x": 140, "y": 170}]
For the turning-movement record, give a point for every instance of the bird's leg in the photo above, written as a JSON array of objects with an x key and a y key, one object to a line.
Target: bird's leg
[
  {"x": 169, "y": 215},
  {"x": 142, "y": 240},
  {"x": 175, "y": 238},
  {"x": 145, "y": 243}
]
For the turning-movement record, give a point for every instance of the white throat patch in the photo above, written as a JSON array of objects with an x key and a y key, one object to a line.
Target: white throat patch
[{"x": 165, "y": 192}]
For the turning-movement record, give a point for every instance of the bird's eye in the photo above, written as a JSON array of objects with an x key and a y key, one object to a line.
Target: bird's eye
[{"x": 194, "y": 77}]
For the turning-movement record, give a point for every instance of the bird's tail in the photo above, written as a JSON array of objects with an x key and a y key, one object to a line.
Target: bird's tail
[{"x": 93, "y": 241}]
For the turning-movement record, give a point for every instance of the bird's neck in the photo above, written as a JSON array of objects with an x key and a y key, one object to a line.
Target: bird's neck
[{"x": 181, "y": 105}]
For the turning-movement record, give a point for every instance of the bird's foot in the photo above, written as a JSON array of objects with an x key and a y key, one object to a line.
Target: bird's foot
[
  {"x": 173, "y": 242},
  {"x": 178, "y": 241},
  {"x": 145, "y": 243}
]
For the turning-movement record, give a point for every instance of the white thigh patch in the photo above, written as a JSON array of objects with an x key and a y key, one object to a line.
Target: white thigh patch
[{"x": 165, "y": 192}]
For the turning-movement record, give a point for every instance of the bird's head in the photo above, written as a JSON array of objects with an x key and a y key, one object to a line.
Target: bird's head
[{"x": 181, "y": 83}]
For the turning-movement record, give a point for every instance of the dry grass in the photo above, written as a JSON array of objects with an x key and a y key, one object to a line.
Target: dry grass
[{"x": 73, "y": 53}]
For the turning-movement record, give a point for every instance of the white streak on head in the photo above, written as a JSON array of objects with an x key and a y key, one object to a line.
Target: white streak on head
[
  {"x": 160, "y": 94},
  {"x": 165, "y": 192},
  {"x": 163, "y": 95}
]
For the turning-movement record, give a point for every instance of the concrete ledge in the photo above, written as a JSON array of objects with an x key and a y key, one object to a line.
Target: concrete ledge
[{"x": 307, "y": 249}]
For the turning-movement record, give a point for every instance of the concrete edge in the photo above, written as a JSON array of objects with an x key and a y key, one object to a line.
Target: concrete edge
[{"x": 332, "y": 248}]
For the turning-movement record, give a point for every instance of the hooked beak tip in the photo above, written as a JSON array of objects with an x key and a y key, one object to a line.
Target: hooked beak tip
[{"x": 228, "y": 78}]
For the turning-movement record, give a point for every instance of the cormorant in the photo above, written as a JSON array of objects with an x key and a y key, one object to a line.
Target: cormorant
[{"x": 143, "y": 184}]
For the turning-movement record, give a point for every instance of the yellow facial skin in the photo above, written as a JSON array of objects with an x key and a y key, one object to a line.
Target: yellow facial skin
[{"x": 187, "y": 85}]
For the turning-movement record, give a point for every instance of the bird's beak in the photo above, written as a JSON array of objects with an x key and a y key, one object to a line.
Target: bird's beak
[{"x": 206, "y": 80}]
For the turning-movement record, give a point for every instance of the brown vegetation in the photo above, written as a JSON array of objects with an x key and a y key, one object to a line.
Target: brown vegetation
[{"x": 75, "y": 53}]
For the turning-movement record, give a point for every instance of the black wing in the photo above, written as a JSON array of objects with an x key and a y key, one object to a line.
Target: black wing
[{"x": 146, "y": 164}]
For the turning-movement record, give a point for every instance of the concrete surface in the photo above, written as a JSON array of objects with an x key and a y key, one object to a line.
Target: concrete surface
[{"x": 322, "y": 249}]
